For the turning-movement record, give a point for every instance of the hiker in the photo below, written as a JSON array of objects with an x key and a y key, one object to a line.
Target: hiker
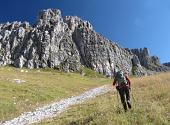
[{"x": 122, "y": 83}]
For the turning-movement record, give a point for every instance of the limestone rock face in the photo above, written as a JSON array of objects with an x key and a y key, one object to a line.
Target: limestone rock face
[
  {"x": 47, "y": 44},
  {"x": 67, "y": 44},
  {"x": 97, "y": 52},
  {"x": 56, "y": 47},
  {"x": 149, "y": 62},
  {"x": 137, "y": 69},
  {"x": 167, "y": 64}
]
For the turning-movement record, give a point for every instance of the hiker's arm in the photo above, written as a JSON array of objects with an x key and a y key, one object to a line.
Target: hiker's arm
[
  {"x": 128, "y": 80},
  {"x": 114, "y": 82}
]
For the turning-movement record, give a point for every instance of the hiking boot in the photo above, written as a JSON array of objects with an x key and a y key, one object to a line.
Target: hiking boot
[
  {"x": 129, "y": 105},
  {"x": 125, "y": 107}
]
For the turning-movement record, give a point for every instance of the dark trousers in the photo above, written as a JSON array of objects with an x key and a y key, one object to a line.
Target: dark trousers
[{"x": 125, "y": 97}]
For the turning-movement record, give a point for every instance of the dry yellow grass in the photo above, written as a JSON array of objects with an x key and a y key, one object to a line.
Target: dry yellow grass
[
  {"x": 41, "y": 87},
  {"x": 150, "y": 99}
]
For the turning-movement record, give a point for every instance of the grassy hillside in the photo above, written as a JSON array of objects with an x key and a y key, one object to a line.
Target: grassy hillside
[
  {"x": 151, "y": 106},
  {"x": 40, "y": 87}
]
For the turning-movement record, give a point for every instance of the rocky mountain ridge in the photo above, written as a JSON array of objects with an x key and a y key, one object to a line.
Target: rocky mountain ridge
[
  {"x": 167, "y": 64},
  {"x": 149, "y": 62},
  {"x": 68, "y": 44}
]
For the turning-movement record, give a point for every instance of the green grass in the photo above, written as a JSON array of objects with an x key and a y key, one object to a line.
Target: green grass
[
  {"x": 41, "y": 87},
  {"x": 150, "y": 100},
  {"x": 90, "y": 73}
]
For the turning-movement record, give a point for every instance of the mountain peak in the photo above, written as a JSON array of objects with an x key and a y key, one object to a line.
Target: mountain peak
[
  {"x": 68, "y": 44},
  {"x": 49, "y": 15}
]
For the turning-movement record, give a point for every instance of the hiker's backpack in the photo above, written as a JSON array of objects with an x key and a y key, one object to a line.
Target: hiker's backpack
[{"x": 120, "y": 77}]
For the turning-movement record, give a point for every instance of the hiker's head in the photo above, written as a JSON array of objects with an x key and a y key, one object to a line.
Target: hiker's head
[
  {"x": 117, "y": 66},
  {"x": 126, "y": 73},
  {"x": 116, "y": 69}
]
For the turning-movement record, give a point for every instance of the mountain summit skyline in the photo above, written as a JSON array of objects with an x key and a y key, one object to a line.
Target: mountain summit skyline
[
  {"x": 69, "y": 43},
  {"x": 133, "y": 24}
]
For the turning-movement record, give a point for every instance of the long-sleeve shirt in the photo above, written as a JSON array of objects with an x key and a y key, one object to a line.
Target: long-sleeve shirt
[{"x": 127, "y": 79}]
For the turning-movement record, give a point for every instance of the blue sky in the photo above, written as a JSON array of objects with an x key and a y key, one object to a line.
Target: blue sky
[{"x": 131, "y": 23}]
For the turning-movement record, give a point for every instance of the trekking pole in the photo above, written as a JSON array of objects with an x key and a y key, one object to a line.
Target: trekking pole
[
  {"x": 117, "y": 97},
  {"x": 133, "y": 96},
  {"x": 134, "y": 100},
  {"x": 118, "y": 101}
]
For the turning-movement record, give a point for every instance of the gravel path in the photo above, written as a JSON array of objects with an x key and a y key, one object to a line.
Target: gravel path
[{"x": 56, "y": 108}]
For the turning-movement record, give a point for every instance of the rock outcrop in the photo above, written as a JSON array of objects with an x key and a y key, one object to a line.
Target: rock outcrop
[
  {"x": 67, "y": 44},
  {"x": 149, "y": 62},
  {"x": 95, "y": 51},
  {"x": 167, "y": 64},
  {"x": 47, "y": 44}
]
